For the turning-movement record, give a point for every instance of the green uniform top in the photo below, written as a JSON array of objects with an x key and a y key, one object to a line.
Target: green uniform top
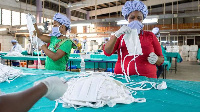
[{"x": 60, "y": 64}]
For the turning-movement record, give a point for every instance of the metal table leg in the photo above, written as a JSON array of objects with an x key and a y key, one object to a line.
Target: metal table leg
[
  {"x": 112, "y": 68},
  {"x": 175, "y": 65},
  {"x": 106, "y": 66},
  {"x": 70, "y": 63},
  {"x": 94, "y": 66},
  {"x": 165, "y": 71},
  {"x": 27, "y": 61}
]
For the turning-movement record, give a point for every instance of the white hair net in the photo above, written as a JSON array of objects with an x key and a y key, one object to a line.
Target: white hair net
[
  {"x": 75, "y": 39},
  {"x": 13, "y": 41},
  {"x": 135, "y": 5},
  {"x": 62, "y": 19}
]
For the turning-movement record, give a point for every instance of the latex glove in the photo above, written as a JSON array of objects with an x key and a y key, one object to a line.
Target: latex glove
[
  {"x": 40, "y": 42},
  {"x": 123, "y": 30},
  {"x": 153, "y": 58},
  {"x": 33, "y": 19},
  {"x": 56, "y": 87}
]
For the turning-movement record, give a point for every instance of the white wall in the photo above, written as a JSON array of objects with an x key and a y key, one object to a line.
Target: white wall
[{"x": 5, "y": 42}]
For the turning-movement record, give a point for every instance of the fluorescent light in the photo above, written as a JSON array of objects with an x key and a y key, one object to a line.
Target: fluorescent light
[
  {"x": 174, "y": 41},
  {"x": 23, "y": 28},
  {"x": 3, "y": 29},
  {"x": 87, "y": 35},
  {"x": 164, "y": 32},
  {"x": 81, "y": 24},
  {"x": 153, "y": 20},
  {"x": 163, "y": 41},
  {"x": 122, "y": 22}
]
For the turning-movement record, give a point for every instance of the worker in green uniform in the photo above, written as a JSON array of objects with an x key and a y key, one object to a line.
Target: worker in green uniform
[{"x": 60, "y": 46}]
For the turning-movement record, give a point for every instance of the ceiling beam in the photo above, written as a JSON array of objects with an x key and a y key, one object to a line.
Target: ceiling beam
[
  {"x": 119, "y": 8},
  {"x": 90, "y": 3}
]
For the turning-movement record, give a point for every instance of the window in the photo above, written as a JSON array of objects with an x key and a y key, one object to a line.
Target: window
[
  {"x": 0, "y": 16},
  {"x": 15, "y": 18},
  {"x": 23, "y": 19},
  {"x": 6, "y": 17}
]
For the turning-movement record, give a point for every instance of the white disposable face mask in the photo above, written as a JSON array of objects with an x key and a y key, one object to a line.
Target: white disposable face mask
[
  {"x": 96, "y": 91},
  {"x": 133, "y": 46},
  {"x": 132, "y": 42}
]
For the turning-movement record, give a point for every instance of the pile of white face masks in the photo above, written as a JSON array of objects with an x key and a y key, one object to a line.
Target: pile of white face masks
[
  {"x": 14, "y": 53},
  {"x": 96, "y": 91},
  {"x": 8, "y": 74},
  {"x": 100, "y": 89}
]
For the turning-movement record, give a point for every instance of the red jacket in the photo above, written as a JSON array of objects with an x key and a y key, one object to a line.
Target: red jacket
[{"x": 149, "y": 43}]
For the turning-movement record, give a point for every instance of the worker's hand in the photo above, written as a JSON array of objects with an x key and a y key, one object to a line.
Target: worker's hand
[
  {"x": 123, "y": 30},
  {"x": 33, "y": 19},
  {"x": 40, "y": 42},
  {"x": 153, "y": 58},
  {"x": 56, "y": 87}
]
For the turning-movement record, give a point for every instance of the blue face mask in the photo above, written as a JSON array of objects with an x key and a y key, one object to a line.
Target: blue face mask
[
  {"x": 136, "y": 25},
  {"x": 55, "y": 32}
]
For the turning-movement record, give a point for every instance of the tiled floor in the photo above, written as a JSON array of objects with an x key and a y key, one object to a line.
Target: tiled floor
[{"x": 186, "y": 71}]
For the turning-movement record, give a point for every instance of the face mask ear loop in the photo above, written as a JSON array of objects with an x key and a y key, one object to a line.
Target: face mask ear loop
[
  {"x": 134, "y": 58},
  {"x": 135, "y": 61},
  {"x": 122, "y": 63},
  {"x": 39, "y": 62}
]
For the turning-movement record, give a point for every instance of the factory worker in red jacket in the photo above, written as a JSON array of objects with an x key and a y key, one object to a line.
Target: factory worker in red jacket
[{"x": 145, "y": 63}]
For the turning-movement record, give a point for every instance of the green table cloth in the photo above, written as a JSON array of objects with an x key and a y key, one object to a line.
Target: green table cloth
[
  {"x": 198, "y": 54},
  {"x": 3, "y": 53},
  {"x": 114, "y": 56},
  {"x": 23, "y": 57},
  {"x": 180, "y": 96},
  {"x": 170, "y": 55},
  {"x": 168, "y": 64}
]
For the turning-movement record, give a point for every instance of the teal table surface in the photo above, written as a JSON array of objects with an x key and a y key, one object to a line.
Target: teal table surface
[
  {"x": 174, "y": 55},
  {"x": 114, "y": 56},
  {"x": 110, "y": 60},
  {"x": 23, "y": 57},
  {"x": 3, "y": 53},
  {"x": 198, "y": 54},
  {"x": 180, "y": 96},
  {"x": 24, "y": 53},
  {"x": 74, "y": 55}
]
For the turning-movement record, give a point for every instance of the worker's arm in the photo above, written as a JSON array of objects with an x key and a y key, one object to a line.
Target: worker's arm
[
  {"x": 54, "y": 56},
  {"x": 51, "y": 87},
  {"x": 109, "y": 46},
  {"x": 41, "y": 36},
  {"x": 22, "y": 101},
  {"x": 160, "y": 60}
]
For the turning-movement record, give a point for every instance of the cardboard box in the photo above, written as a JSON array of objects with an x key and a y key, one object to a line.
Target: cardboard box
[
  {"x": 185, "y": 47},
  {"x": 192, "y": 58},
  {"x": 194, "y": 48},
  {"x": 193, "y": 53},
  {"x": 184, "y": 53}
]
